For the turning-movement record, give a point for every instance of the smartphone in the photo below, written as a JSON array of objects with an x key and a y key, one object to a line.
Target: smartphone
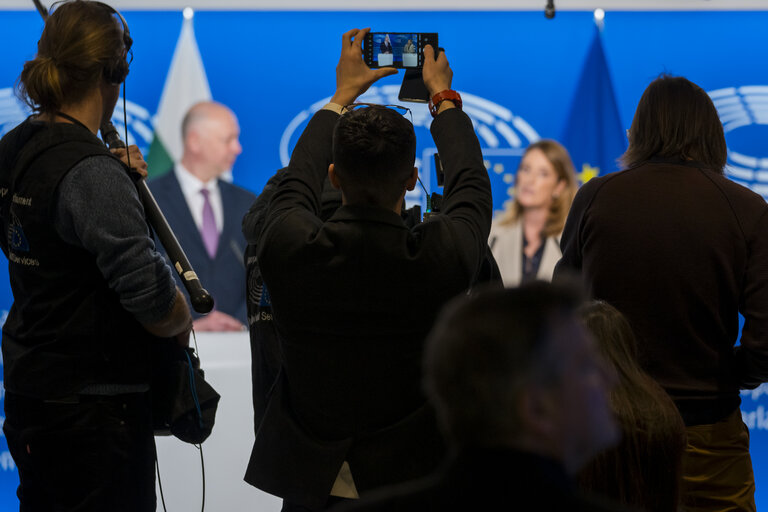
[
  {"x": 397, "y": 49},
  {"x": 413, "y": 89}
]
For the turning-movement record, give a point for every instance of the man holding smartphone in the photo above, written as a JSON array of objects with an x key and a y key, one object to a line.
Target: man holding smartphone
[{"x": 354, "y": 297}]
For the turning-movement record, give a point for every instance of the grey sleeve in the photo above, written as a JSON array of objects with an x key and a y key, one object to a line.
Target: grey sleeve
[{"x": 99, "y": 210}]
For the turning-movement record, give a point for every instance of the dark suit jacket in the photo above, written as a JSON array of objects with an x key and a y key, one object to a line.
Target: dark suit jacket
[
  {"x": 223, "y": 276},
  {"x": 353, "y": 299},
  {"x": 488, "y": 479}
]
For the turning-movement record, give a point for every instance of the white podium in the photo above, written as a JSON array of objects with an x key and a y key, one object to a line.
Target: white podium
[
  {"x": 226, "y": 359},
  {"x": 410, "y": 60},
  {"x": 385, "y": 59}
]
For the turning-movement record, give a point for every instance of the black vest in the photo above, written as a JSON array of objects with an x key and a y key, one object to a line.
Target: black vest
[{"x": 66, "y": 328}]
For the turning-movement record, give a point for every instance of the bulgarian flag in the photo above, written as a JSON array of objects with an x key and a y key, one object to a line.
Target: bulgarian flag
[{"x": 185, "y": 85}]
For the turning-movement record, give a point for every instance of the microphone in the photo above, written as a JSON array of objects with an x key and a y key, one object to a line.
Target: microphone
[
  {"x": 201, "y": 300},
  {"x": 549, "y": 10}
]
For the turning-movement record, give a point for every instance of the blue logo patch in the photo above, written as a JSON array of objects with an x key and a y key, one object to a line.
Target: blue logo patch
[{"x": 16, "y": 239}]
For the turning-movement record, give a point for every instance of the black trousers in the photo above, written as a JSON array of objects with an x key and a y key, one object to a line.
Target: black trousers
[{"x": 94, "y": 453}]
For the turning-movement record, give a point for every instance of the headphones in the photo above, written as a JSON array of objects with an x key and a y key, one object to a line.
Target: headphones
[{"x": 116, "y": 69}]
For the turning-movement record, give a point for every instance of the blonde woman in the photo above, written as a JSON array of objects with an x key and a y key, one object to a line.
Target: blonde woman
[{"x": 525, "y": 238}]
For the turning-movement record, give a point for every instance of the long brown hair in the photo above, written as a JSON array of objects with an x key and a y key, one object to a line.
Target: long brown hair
[
  {"x": 676, "y": 119},
  {"x": 80, "y": 40},
  {"x": 561, "y": 161},
  {"x": 644, "y": 470}
]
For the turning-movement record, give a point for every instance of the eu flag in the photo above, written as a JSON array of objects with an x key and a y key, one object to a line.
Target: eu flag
[{"x": 593, "y": 133}]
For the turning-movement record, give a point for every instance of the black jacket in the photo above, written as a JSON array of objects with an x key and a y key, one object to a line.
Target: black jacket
[{"x": 353, "y": 300}]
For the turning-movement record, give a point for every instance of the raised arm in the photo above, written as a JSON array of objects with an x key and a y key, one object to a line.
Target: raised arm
[
  {"x": 302, "y": 183},
  {"x": 467, "y": 202}
]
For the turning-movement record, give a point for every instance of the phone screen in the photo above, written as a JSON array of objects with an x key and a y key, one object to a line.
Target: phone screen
[{"x": 397, "y": 49}]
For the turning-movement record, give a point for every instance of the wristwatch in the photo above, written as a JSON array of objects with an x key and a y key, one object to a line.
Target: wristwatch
[{"x": 437, "y": 99}]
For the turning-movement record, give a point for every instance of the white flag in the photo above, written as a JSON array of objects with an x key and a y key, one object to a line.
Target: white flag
[{"x": 185, "y": 85}]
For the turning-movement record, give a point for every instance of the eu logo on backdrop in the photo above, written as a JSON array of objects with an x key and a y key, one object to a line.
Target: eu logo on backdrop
[
  {"x": 744, "y": 114},
  {"x": 503, "y": 137},
  {"x": 140, "y": 124}
]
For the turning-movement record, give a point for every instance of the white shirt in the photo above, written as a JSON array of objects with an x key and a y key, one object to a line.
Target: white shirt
[{"x": 191, "y": 187}]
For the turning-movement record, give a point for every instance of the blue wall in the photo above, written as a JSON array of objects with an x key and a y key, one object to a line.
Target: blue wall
[{"x": 518, "y": 73}]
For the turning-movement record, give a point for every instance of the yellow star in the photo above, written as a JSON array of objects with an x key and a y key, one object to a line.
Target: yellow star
[{"x": 587, "y": 173}]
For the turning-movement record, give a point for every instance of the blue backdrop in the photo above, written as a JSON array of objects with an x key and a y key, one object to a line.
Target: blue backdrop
[{"x": 522, "y": 77}]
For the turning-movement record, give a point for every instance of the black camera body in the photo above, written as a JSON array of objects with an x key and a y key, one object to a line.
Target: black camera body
[{"x": 412, "y": 216}]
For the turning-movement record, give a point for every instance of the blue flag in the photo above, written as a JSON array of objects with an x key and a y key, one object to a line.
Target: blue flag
[{"x": 593, "y": 134}]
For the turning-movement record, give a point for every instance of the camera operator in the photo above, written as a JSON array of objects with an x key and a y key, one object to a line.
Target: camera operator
[
  {"x": 91, "y": 294},
  {"x": 354, "y": 297}
]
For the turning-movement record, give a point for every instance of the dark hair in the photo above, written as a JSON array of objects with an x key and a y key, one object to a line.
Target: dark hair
[
  {"x": 374, "y": 149},
  {"x": 644, "y": 470},
  {"x": 81, "y": 43},
  {"x": 558, "y": 157},
  {"x": 484, "y": 351},
  {"x": 676, "y": 119}
]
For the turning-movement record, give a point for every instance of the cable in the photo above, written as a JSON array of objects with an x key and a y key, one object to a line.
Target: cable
[
  {"x": 159, "y": 480},
  {"x": 202, "y": 470},
  {"x": 199, "y": 415},
  {"x": 125, "y": 127},
  {"x": 193, "y": 388},
  {"x": 189, "y": 360},
  {"x": 426, "y": 194}
]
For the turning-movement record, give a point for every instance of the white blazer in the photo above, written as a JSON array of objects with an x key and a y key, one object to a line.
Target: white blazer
[{"x": 506, "y": 242}]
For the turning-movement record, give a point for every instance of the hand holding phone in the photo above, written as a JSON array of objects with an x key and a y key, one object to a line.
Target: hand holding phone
[
  {"x": 419, "y": 85},
  {"x": 437, "y": 74},
  {"x": 353, "y": 77}
]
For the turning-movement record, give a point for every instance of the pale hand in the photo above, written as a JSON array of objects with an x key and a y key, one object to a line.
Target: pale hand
[
  {"x": 437, "y": 74},
  {"x": 136, "y": 163},
  {"x": 216, "y": 321},
  {"x": 353, "y": 76}
]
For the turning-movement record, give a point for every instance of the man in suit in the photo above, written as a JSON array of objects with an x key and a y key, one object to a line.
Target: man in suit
[
  {"x": 386, "y": 45},
  {"x": 354, "y": 297},
  {"x": 205, "y": 212},
  {"x": 522, "y": 395}
]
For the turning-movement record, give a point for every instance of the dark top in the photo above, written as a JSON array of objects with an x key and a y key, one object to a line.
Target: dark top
[
  {"x": 485, "y": 479},
  {"x": 353, "y": 299},
  {"x": 531, "y": 265},
  {"x": 72, "y": 211},
  {"x": 265, "y": 349},
  {"x": 680, "y": 250}
]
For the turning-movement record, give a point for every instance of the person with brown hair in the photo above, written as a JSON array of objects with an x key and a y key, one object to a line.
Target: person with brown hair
[
  {"x": 644, "y": 470},
  {"x": 91, "y": 293},
  {"x": 681, "y": 250},
  {"x": 524, "y": 240}
]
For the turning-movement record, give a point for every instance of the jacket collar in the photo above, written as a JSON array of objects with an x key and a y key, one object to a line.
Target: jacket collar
[{"x": 359, "y": 213}]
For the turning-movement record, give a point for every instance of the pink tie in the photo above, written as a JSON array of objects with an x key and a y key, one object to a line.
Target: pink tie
[{"x": 209, "y": 231}]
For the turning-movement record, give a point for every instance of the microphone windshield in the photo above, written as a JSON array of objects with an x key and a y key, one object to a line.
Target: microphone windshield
[{"x": 549, "y": 10}]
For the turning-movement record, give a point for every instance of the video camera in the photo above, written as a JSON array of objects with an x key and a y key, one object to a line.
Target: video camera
[{"x": 412, "y": 216}]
